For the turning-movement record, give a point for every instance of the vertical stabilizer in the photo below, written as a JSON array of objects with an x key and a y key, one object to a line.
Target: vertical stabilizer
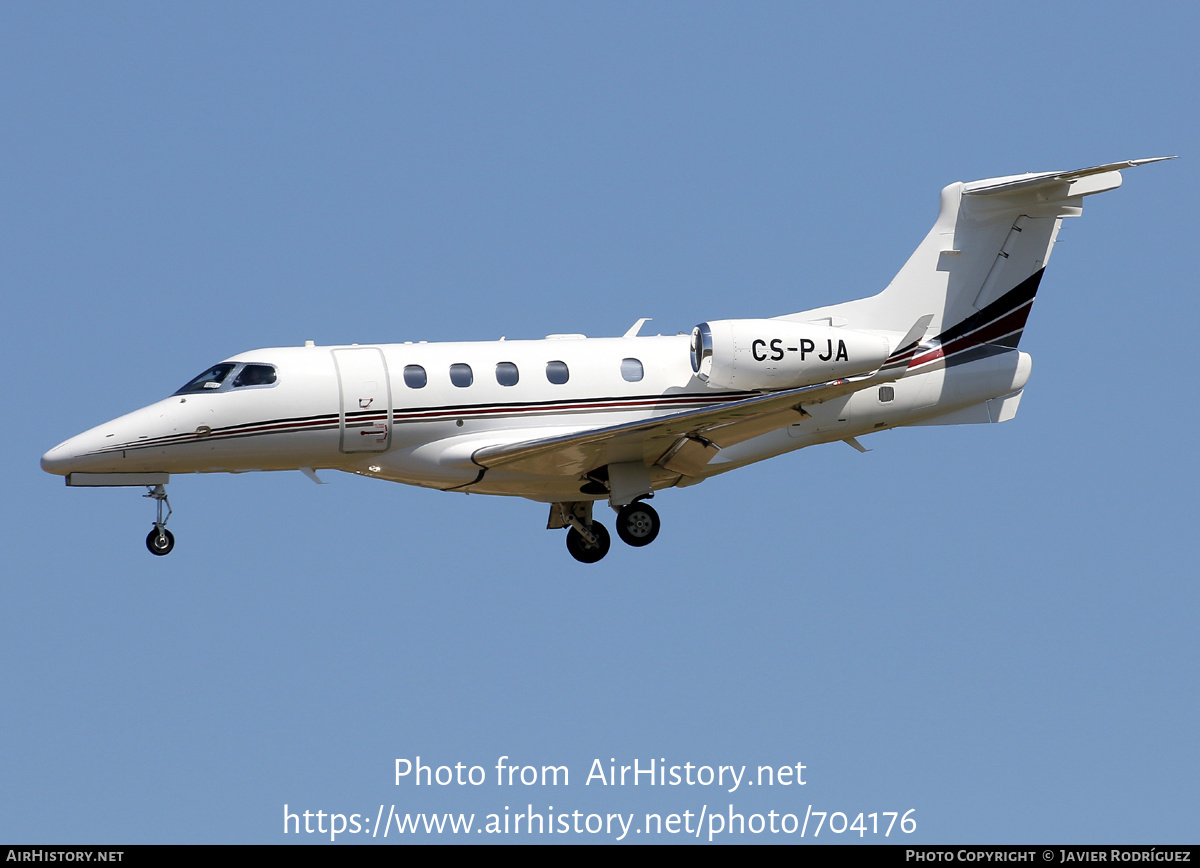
[{"x": 978, "y": 269}]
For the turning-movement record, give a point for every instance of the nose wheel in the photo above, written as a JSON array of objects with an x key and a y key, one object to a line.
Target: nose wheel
[{"x": 160, "y": 541}]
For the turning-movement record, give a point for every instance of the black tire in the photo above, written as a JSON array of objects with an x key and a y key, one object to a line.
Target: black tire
[
  {"x": 638, "y": 524},
  {"x": 585, "y": 552},
  {"x": 160, "y": 545}
]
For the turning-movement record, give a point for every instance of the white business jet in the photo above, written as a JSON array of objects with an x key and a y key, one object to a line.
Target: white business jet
[{"x": 571, "y": 420}]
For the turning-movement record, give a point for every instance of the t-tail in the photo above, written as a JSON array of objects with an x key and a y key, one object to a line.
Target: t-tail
[{"x": 978, "y": 269}]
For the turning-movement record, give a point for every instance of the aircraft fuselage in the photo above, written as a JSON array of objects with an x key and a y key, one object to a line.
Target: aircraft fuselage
[{"x": 367, "y": 409}]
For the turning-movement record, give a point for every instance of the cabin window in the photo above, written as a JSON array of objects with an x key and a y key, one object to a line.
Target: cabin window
[
  {"x": 887, "y": 394},
  {"x": 507, "y": 374},
  {"x": 461, "y": 376},
  {"x": 557, "y": 373},
  {"x": 414, "y": 377},
  {"x": 631, "y": 370},
  {"x": 254, "y": 375},
  {"x": 209, "y": 380}
]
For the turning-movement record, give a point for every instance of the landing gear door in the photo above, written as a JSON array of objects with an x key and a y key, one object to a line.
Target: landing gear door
[{"x": 366, "y": 396}]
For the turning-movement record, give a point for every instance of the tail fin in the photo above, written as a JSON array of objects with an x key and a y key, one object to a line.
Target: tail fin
[{"x": 979, "y": 267}]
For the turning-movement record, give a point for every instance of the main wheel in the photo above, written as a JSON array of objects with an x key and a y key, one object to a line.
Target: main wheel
[
  {"x": 638, "y": 524},
  {"x": 586, "y": 552},
  {"x": 160, "y": 542}
]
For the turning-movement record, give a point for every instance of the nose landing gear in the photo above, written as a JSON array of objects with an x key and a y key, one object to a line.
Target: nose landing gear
[{"x": 160, "y": 541}]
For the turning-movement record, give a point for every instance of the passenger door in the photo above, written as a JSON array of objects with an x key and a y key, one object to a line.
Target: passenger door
[{"x": 366, "y": 399}]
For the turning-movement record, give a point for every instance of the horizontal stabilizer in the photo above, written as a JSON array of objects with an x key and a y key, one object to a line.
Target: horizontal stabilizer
[{"x": 1027, "y": 183}]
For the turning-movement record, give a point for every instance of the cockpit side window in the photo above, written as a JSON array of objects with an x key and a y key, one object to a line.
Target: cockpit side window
[
  {"x": 209, "y": 380},
  {"x": 255, "y": 375}
]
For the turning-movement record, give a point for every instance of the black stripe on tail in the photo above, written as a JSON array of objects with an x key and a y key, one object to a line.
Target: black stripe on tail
[{"x": 1000, "y": 323}]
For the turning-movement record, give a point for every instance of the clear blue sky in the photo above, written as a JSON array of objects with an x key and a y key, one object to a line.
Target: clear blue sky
[{"x": 992, "y": 625}]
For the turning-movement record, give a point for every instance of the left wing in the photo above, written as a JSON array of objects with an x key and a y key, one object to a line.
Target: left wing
[{"x": 685, "y": 442}]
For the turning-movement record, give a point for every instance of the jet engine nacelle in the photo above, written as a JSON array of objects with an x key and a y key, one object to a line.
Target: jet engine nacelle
[{"x": 767, "y": 354}]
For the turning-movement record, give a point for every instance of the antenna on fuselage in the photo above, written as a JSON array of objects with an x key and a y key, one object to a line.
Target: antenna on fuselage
[{"x": 636, "y": 327}]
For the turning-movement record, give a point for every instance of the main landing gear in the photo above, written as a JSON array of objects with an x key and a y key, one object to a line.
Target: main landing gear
[
  {"x": 638, "y": 524},
  {"x": 588, "y": 544},
  {"x": 160, "y": 541},
  {"x": 588, "y": 541}
]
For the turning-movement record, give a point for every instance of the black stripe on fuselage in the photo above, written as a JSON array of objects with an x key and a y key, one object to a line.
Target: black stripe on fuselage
[{"x": 359, "y": 418}]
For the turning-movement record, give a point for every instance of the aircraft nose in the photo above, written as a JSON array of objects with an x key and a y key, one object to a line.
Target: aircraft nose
[
  {"x": 103, "y": 448},
  {"x": 63, "y": 458},
  {"x": 86, "y": 452}
]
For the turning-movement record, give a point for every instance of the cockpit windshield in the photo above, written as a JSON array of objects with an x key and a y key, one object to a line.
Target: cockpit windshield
[
  {"x": 210, "y": 379},
  {"x": 218, "y": 377}
]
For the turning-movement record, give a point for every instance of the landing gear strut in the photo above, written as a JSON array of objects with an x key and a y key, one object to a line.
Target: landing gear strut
[
  {"x": 587, "y": 541},
  {"x": 160, "y": 541},
  {"x": 588, "y": 551}
]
